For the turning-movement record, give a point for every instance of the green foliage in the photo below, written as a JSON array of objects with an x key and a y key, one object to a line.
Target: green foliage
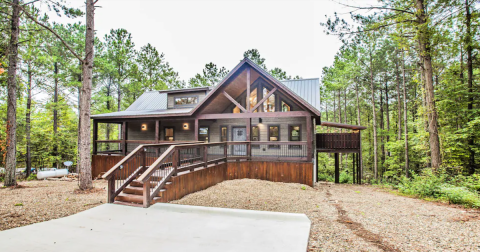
[{"x": 32, "y": 177}]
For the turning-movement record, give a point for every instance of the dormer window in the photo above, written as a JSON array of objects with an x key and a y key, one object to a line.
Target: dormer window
[{"x": 185, "y": 101}]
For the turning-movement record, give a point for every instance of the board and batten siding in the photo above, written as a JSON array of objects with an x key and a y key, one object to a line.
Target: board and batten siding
[{"x": 171, "y": 97}]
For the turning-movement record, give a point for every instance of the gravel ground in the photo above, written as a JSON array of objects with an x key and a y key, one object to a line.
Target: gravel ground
[
  {"x": 353, "y": 218},
  {"x": 37, "y": 201}
]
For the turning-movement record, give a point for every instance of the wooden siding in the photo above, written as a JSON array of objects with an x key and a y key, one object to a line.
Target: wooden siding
[
  {"x": 286, "y": 172},
  {"x": 103, "y": 163}
]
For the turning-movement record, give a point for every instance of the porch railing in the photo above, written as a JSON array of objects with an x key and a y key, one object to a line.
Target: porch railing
[
  {"x": 137, "y": 161},
  {"x": 338, "y": 141}
]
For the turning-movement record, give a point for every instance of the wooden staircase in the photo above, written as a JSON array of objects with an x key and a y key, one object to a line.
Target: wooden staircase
[{"x": 132, "y": 194}]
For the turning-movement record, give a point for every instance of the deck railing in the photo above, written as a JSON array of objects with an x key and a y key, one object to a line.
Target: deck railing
[
  {"x": 125, "y": 171},
  {"x": 338, "y": 141}
]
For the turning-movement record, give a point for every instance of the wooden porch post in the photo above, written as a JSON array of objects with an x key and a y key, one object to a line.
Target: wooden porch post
[
  {"x": 196, "y": 129},
  {"x": 337, "y": 169},
  {"x": 353, "y": 166},
  {"x": 124, "y": 138},
  {"x": 157, "y": 131},
  {"x": 247, "y": 107},
  {"x": 309, "y": 138},
  {"x": 248, "y": 123},
  {"x": 95, "y": 136}
]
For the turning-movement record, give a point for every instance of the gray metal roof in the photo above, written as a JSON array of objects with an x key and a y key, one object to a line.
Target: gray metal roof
[
  {"x": 153, "y": 100},
  {"x": 143, "y": 112},
  {"x": 308, "y": 89}
]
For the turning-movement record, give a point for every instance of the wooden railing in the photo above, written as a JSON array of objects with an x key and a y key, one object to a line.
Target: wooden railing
[
  {"x": 125, "y": 171},
  {"x": 268, "y": 151},
  {"x": 179, "y": 158},
  {"x": 119, "y": 147},
  {"x": 338, "y": 141}
]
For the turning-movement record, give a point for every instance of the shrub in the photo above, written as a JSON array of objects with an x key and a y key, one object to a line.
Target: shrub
[
  {"x": 325, "y": 177},
  {"x": 345, "y": 178},
  {"x": 459, "y": 195},
  {"x": 32, "y": 177},
  {"x": 426, "y": 185}
]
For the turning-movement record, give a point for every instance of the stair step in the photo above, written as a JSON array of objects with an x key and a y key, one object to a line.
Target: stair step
[
  {"x": 127, "y": 204},
  {"x": 133, "y": 190},
  {"x": 136, "y": 183},
  {"x": 134, "y": 199}
]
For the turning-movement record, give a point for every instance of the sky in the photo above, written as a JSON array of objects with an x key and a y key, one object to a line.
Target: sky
[{"x": 192, "y": 33}]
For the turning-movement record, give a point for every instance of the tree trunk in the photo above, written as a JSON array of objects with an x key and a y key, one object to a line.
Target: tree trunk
[
  {"x": 424, "y": 46},
  {"x": 399, "y": 105},
  {"x": 469, "y": 48},
  {"x": 382, "y": 137},
  {"x": 11, "y": 157},
  {"x": 374, "y": 119},
  {"x": 387, "y": 113},
  {"x": 358, "y": 122},
  {"x": 55, "y": 114},
  {"x": 405, "y": 115},
  {"x": 28, "y": 167},
  {"x": 85, "y": 158}
]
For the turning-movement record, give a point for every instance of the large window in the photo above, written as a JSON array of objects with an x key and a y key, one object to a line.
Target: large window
[
  {"x": 255, "y": 133},
  {"x": 274, "y": 133},
  {"x": 285, "y": 107},
  {"x": 253, "y": 99},
  {"x": 186, "y": 101},
  {"x": 203, "y": 134},
  {"x": 169, "y": 134},
  {"x": 269, "y": 104},
  {"x": 223, "y": 133}
]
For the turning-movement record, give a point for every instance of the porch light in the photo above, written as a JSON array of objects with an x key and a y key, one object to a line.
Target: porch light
[
  {"x": 186, "y": 126},
  {"x": 144, "y": 126}
]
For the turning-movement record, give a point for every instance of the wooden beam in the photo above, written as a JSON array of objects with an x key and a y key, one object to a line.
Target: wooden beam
[
  {"x": 234, "y": 102},
  {"x": 95, "y": 136},
  {"x": 254, "y": 115},
  {"x": 157, "y": 131},
  {"x": 337, "y": 169},
  {"x": 248, "y": 123},
  {"x": 309, "y": 137},
  {"x": 264, "y": 98},
  {"x": 196, "y": 129},
  {"x": 124, "y": 138},
  {"x": 248, "y": 91}
]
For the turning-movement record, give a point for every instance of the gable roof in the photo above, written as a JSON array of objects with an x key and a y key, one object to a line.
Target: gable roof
[
  {"x": 154, "y": 103},
  {"x": 281, "y": 86}
]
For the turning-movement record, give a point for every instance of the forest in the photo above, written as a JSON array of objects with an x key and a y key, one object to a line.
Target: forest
[
  {"x": 49, "y": 80},
  {"x": 408, "y": 70}
]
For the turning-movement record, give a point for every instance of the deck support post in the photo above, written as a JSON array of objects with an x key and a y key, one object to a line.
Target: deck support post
[
  {"x": 337, "y": 169},
  {"x": 205, "y": 156},
  {"x": 353, "y": 167},
  {"x": 95, "y": 136},
  {"x": 124, "y": 138}
]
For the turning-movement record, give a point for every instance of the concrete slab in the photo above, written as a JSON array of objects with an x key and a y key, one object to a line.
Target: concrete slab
[{"x": 163, "y": 227}]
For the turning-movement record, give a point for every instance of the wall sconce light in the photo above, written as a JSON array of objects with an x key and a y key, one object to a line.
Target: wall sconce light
[
  {"x": 186, "y": 126},
  {"x": 144, "y": 126},
  {"x": 259, "y": 120}
]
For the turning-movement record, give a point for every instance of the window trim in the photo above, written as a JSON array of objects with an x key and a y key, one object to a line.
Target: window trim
[
  {"x": 279, "y": 136},
  {"x": 257, "y": 146},
  {"x": 185, "y": 105},
  {"x": 288, "y": 104},
  {"x": 290, "y": 136},
  {"x": 223, "y": 126},
  {"x": 208, "y": 134},
  {"x": 165, "y": 133}
]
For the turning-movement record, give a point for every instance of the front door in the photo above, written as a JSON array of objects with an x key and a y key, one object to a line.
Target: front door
[{"x": 239, "y": 135}]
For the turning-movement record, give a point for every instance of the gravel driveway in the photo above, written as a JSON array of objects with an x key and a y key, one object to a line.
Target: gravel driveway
[{"x": 353, "y": 218}]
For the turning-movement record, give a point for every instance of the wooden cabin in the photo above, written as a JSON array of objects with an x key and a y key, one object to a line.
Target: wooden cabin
[{"x": 250, "y": 125}]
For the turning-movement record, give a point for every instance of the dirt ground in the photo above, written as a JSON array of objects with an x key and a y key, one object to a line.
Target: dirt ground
[
  {"x": 37, "y": 201},
  {"x": 354, "y": 218},
  {"x": 344, "y": 217}
]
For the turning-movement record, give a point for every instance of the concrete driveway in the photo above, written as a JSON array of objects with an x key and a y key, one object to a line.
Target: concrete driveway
[{"x": 163, "y": 227}]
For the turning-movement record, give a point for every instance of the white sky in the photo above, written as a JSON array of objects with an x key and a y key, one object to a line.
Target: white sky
[{"x": 193, "y": 33}]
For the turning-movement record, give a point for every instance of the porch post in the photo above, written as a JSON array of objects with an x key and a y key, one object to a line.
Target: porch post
[
  {"x": 353, "y": 166},
  {"x": 309, "y": 138},
  {"x": 157, "y": 131},
  {"x": 196, "y": 129},
  {"x": 248, "y": 123},
  {"x": 124, "y": 138},
  {"x": 95, "y": 136},
  {"x": 337, "y": 169},
  {"x": 247, "y": 107}
]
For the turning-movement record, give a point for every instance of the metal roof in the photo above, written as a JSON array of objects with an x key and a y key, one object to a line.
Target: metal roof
[
  {"x": 143, "y": 112},
  {"x": 307, "y": 89},
  {"x": 153, "y": 100}
]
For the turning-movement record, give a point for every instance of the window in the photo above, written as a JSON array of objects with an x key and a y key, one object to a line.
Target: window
[
  {"x": 169, "y": 133},
  {"x": 294, "y": 133},
  {"x": 274, "y": 135},
  {"x": 186, "y": 101},
  {"x": 285, "y": 107},
  {"x": 255, "y": 133},
  {"x": 236, "y": 110},
  {"x": 203, "y": 134},
  {"x": 269, "y": 104},
  {"x": 253, "y": 99},
  {"x": 223, "y": 133}
]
